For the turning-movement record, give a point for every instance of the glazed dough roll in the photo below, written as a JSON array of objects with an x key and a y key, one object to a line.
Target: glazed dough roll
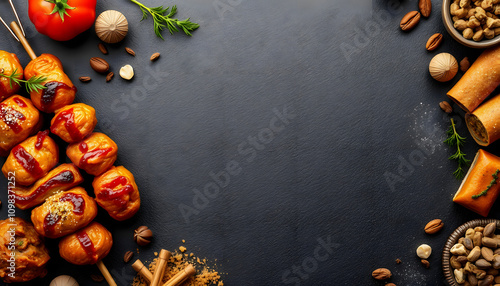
[
  {"x": 484, "y": 122},
  {"x": 478, "y": 178},
  {"x": 479, "y": 81}
]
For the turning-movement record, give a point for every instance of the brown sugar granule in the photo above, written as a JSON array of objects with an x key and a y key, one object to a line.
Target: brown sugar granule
[{"x": 205, "y": 275}]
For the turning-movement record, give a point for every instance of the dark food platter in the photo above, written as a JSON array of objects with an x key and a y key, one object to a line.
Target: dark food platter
[{"x": 267, "y": 140}]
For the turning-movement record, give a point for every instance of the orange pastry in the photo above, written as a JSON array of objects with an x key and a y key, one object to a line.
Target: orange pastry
[
  {"x": 32, "y": 159},
  {"x": 59, "y": 91},
  {"x": 18, "y": 119},
  {"x": 480, "y": 187},
  {"x": 8, "y": 64},
  {"x": 95, "y": 154},
  {"x": 87, "y": 246},
  {"x": 64, "y": 213},
  {"x": 74, "y": 122},
  {"x": 61, "y": 178},
  {"x": 117, "y": 193},
  {"x": 23, "y": 254},
  {"x": 484, "y": 122}
]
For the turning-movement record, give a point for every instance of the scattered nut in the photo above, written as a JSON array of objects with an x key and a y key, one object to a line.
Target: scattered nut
[
  {"x": 446, "y": 107},
  {"x": 97, "y": 277},
  {"x": 143, "y": 235},
  {"x": 434, "y": 225},
  {"x": 398, "y": 261},
  {"x": 110, "y": 76},
  {"x": 458, "y": 249},
  {"x": 155, "y": 56},
  {"x": 99, "y": 65},
  {"x": 464, "y": 64},
  {"x": 424, "y": 251},
  {"x": 425, "y": 263},
  {"x": 128, "y": 256},
  {"x": 85, "y": 78},
  {"x": 103, "y": 48},
  {"x": 382, "y": 274},
  {"x": 489, "y": 229},
  {"x": 127, "y": 72},
  {"x": 130, "y": 51}
]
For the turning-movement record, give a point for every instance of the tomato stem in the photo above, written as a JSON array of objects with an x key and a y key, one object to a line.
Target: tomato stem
[{"x": 60, "y": 6}]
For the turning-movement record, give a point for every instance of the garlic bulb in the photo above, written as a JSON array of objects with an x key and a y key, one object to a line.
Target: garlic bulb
[
  {"x": 64, "y": 280},
  {"x": 443, "y": 67},
  {"x": 111, "y": 26}
]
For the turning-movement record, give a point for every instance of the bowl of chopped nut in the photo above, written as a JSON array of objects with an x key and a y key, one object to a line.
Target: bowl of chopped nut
[
  {"x": 471, "y": 254},
  {"x": 474, "y": 26}
]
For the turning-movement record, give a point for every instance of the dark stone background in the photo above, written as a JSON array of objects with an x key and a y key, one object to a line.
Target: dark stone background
[{"x": 353, "y": 116}]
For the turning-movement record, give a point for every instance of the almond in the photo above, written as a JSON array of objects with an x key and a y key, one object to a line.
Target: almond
[
  {"x": 99, "y": 65},
  {"x": 425, "y": 7},
  {"x": 128, "y": 256},
  {"x": 130, "y": 51},
  {"x": 409, "y": 21},
  {"x": 434, "y": 42},
  {"x": 103, "y": 48},
  {"x": 433, "y": 226},
  {"x": 85, "y": 78},
  {"x": 110, "y": 76},
  {"x": 382, "y": 274},
  {"x": 155, "y": 56},
  {"x": 446, "y": 107}
]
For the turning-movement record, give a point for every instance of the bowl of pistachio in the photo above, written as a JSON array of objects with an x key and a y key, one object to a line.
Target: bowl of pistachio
[
  {"x": 471, "y": 256},
  {"x": 475, "y": 24}
]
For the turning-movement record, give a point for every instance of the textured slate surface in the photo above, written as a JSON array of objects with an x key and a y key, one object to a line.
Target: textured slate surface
[{"x": 307, "y": 104}]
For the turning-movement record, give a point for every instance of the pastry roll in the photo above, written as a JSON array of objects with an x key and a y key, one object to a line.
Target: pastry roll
[
  {"x": 478, "y": 82},
  {"x": 484, "y": 122},
  {"x": 64, "y": 213},
  {"x": 18, "y": 119},
  {"x": 28, "y": 248},
  {"x": 117, "y": 193},
  {"x": 8, "y": 64},
  {"x": 61, "y": 178},
  {"x": 95, "y": 154},
  {"x": 87, "y": 246},
  {"x": 477, "y": 191},
  {"x": 59, "y": 91},
  {"x": 74, "y": 122},
  {"x": 32, "y": 159}
]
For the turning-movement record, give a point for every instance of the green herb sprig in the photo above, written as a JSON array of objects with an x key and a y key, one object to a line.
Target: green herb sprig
[
  {"x": 455, "y": 140},
  {"x": 492, "y": 183},
  {"x": 161, "y": 20},
  {"x": 32, "y": 84}
]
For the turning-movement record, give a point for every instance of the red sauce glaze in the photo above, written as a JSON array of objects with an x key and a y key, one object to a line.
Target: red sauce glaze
[
  {"x": 29, "y": 163},
  {"x": 11, "y": 117},
  {"x": 20, "y": 102},
  {"x": 87, "y": 245},
  {"x": 92, "y": 155},
  {"x": 49, "y": 94},
  {"x": 40, "y": 137},
  {"x": 51, "y": 220},
  {"x": 83, "y": 147},
  {"x": 107, "y": 193},
  {"x": 68, "y": 117},
  {"x": 65, "y": 177}
]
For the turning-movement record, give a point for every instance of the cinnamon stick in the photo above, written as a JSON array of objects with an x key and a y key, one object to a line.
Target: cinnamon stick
[
  {"x": 182, "y": 276},
  {"x": 142, "y": 270},
  {"x": 161, "y": 265}
]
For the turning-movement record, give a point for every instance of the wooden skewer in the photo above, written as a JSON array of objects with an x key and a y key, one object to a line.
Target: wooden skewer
[
  {"x": 142, "y": 270},
  {"x": 161, "y": 265},
  {"x": 106, "y": 273},
  {"x": 19, "y": 33}
]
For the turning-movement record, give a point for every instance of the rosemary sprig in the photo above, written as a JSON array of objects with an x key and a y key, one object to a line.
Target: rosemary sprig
[
  {"x": 160, "y": 20},
  {"x": 492, "y": 183},
  {"x": 32, "y": 84},
  {"x": 455, "y": 140}
]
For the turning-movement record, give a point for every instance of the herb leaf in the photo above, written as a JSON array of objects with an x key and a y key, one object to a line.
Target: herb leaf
[
  {"x": 33, "y": 84},
  {"x": 492, "y": 183},
  {"x": 455, "y": 140},
  {"x": 160, "y": 20}
]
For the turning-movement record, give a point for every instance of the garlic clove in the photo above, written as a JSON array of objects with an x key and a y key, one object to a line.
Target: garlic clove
[
  {"x": 111, "y": 26},
  {"x": 443, "y": 67},
  {"x": 127, "y": 72},
  {"x": 64, "y": 280}
]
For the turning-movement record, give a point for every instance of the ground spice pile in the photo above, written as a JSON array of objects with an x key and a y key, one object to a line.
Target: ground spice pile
[{"x": 205, "y": 275}]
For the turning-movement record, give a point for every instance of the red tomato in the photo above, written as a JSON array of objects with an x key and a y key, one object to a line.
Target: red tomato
[{"x": 62, "y": 20}]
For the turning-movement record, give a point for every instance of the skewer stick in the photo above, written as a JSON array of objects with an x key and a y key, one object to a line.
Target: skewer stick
[
  {"x": 160, "y": 267},
  {"x": 106, "y": 273},
  {"x": 19, "y": 33}
]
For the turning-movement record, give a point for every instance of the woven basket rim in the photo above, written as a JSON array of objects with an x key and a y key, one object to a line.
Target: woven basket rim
[{"x": 453, "y": 239}]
